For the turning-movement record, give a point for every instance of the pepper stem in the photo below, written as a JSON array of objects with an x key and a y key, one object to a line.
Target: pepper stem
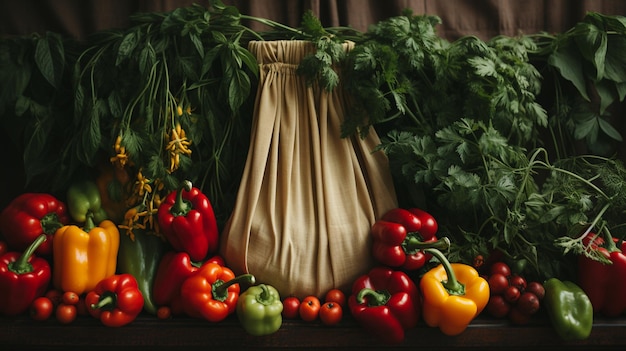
[
  {"x": 608, "y": 241},
  {"x": 219, "y": 288},
  {"x": 375, "y": 297},
  {"x": 107, "y": 301},
  {"x": 412, "y": 244},
  {"x": 89, "y": 223},
  {"x": 22, "y": 264},
  {"x": 452, "y": 285},
  {"x": 50, "y": 223},
  {"x": 181, "y": 206},
  {"x": 265, "y": 297}
]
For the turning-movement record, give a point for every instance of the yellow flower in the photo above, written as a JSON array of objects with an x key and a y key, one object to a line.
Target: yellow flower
[{"x": 121, "y": 157}]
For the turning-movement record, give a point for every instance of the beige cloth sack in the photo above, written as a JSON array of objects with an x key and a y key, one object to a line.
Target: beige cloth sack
[{"x": 308, "y": 197}]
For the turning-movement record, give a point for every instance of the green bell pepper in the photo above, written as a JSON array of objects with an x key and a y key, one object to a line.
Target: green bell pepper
[
  {"x": 139, "y": 255},
  {"x": 260, "y": 309},
  {"x": 569, "y": 309},
  {"x": 83, "y": 198}
]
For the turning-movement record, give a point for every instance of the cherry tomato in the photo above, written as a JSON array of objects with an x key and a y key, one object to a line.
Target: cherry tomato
[
  {"x": 528, "y": 303},
  {"x": 331, "y": 313},
  {"x": 164, "y": 312},
  {"x": 55, "y": 295},
  {"x": 429, "y": 224},
  {"x": 537, "y": 289},
  {"x": 336, "y": 295},
  {"x": 41, "y": 308},
  {"x": 291, "y": 307},
  {"x": 70, "y": 298},
  {"x": 309, "y": 308},
  {"x": 518, "y": 281},
  {"x": 81, "y": 307},
  {"x": 498, "y": 283},
  {"x": 516, "y": 316},
  {"x": 500, "y": 268},
  {"x": 66, "y": 314},
  {"x": 479, "y": 260},
  {"x": 498, "y": 307},
  {"x": 511, "y": 294}
]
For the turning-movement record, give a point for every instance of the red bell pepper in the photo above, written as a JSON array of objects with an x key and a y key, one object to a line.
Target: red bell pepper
[
  {"x": 115, "y": 300},
  {"x": 212, "y": 292},
  {"x": 604, "y": 283},
  {"x": 174, "y": 268},
  {"x": 187, "y": 221},
  {"x": 385, "y": 302},
  {"x": 4, "y": 248},
  {"x": 23, "y": 278},
  {"x": 400, "y": 236},
  {"x": 30, "y": 215}
]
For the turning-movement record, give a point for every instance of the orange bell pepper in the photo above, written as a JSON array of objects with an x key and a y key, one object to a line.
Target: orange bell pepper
[
  {"x": 453, "y": 295},
  {"x": 212, "y": 292},
  {"x": 82, "y": 257}
]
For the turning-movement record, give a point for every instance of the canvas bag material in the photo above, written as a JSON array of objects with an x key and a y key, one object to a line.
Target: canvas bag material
[{"x": 308, "y": 198}]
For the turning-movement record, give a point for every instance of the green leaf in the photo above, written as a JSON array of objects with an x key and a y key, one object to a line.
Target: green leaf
[
  {"x": 615, "y": 62},
  {"x": 606, "y": 94},
  {"x": 586, "y": 126},
  {"x": 147, "y": 58},
  {"x": 50, "y": 58},
  {"x": 248, "y": 60},
  {"x": 609, "y": 130},
  {"x": 36, "y": 141},
  {"x": 197, "y": 43},
  {"x": 567, "y": 61},
  {"x": 592, "y": 43},
  {"x": 90, "y": 135},
  {"x": 126, "y": 48}
]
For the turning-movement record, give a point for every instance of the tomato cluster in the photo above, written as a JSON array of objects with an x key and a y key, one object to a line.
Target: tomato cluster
[
  {"x": 329, "y": 312},
  {"x": 511, "y": 295},
  {"x": 65, "y": 306}
]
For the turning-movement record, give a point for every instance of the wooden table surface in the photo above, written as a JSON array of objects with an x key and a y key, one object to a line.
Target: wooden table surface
[{"x": 183, "y": 333}]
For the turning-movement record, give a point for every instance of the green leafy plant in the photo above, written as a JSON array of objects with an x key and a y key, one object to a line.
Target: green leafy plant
[{"x": 586, "y": 67}]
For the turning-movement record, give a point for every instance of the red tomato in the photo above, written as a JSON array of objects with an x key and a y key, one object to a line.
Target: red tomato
[
  {"x": 498, "y": 284},
  {"x": 66, "y": 314},
  {"x": 309, "y": 308},
  {"x": 164, "y": 312},
  {"x": 537, "y": 289},
  {"x": 331, "y": 313},
  {"x": 55, "y": 295},
  {"x": 518, "y": 281},
  {"x": 511, "y": 294},
  {"x": 528, "y": 303},
  {"x": 518, "y": 317},
  {"x": 70, "y": 298},
  {"x": 41, "y": 308},
  {"x": 498, "y": 307},
  {"x": 81, "y": 307},
  {"x": 291, "y": 307},
  {"x": 336, "y": 295},
  {"x": 500, "y": 268}
]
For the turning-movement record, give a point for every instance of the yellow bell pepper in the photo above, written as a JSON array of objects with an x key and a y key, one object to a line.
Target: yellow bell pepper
[
  {"x": 84, "y": 256},
  {"x": 454, "y": 294}
]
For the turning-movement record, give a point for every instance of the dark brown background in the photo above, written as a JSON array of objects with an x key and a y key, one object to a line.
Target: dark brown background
[{"x": 482, "y": 18}]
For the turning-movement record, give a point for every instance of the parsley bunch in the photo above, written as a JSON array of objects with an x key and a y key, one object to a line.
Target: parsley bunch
[{"x": 464, "y": 132}]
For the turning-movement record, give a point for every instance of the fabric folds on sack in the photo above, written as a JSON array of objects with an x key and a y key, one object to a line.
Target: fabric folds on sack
[{"x": 307, "y": 197}]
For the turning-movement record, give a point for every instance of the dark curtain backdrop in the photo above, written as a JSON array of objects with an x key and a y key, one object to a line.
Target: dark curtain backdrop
[{"x": 483, "y": 18}]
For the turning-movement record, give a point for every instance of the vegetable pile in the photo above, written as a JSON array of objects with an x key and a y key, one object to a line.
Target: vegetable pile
[{"x": 504, "y": 152}]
